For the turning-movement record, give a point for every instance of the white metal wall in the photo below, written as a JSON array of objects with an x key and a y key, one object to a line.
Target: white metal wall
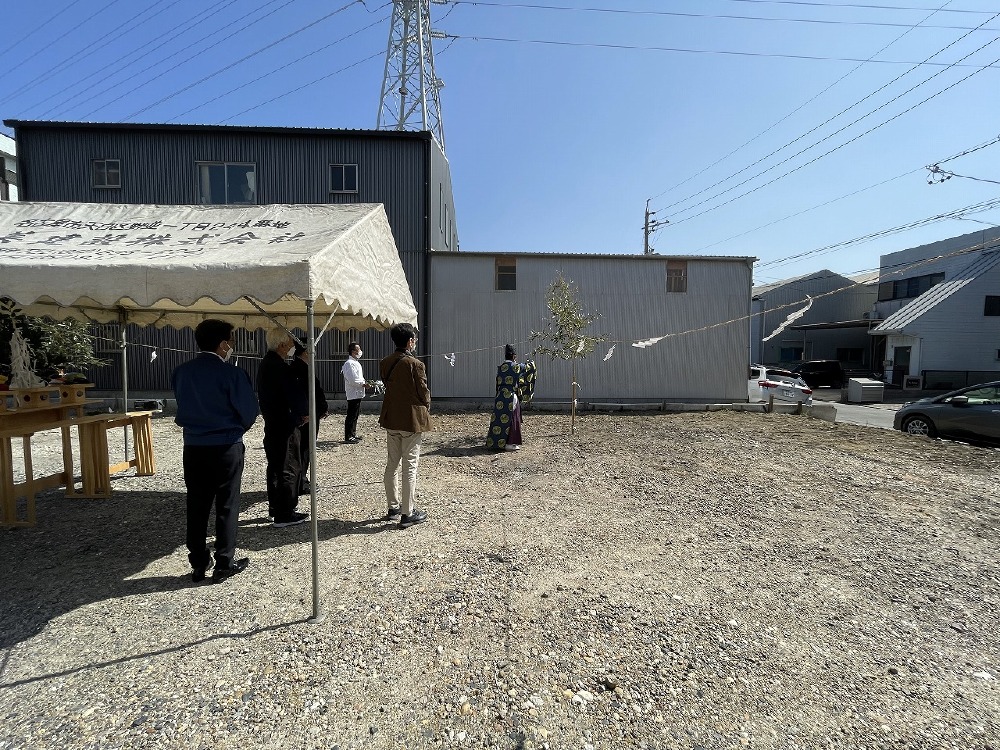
[{"x": 473, "y": 320}]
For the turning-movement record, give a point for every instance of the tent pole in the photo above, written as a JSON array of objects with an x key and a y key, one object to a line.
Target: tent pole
[
  {"x": 318, "y": 615},
  {"x": 124, "y": 322}
]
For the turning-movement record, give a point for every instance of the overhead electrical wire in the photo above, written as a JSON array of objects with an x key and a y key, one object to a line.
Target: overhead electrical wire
[
  {"x": 714, "y": 16},
  {"x": 89, "y": 48},
  {"x": 687, "y": 50},
  {"x": 795, "y": 111},
  {"x": 826, "y": 122},
  {"x": 119, "y": 66},
  {"x": 189, "y": 58},
  {"x": 23, "y": 37},
  {"x": 243, "y": 59},
  {"x": 282, "y": 95},
  {"x": 836, "y": 148},
  {"x": 855, "y": 5},
  {"x": 271, "y": 72}
]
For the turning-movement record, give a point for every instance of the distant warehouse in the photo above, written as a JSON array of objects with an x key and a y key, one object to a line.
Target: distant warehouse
[{"x": 700, "y": 304}]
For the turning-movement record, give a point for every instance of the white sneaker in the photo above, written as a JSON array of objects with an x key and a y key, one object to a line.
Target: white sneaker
[{"x": 512, "y": 448}]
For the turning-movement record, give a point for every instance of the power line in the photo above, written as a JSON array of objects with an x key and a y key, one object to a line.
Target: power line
[
  {"x": 717, "y": 16},
  {"x": 82, "y": 53},
  {"x": 116, "y": 65},
  {"x": 827, "y": 121},
  {"x": 243, "y": 59},
  {"x": 188, "y": 58},
  {"x": 376, "y": 22},
  {"x": 23, "y": 37},
  {"x": 794, "y": 111},
  {"x": 313, "y": 82},
  {"x": 686, "y": 50},
  {"x": 836, "y": 148},
  {"x": 855, "y": 5}
]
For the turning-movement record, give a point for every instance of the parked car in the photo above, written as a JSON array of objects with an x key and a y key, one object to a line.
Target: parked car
[
  {"x": 765, "y": 382},
  {"x": 972, "y": 412},
  {"x": 821, "y": 372}
]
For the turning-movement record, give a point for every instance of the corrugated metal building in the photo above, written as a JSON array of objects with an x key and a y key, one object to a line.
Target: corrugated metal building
[
  {"x": 834, "y": 327},
  {"x": 200, "y": 164},
  {"x": 940, "y": 305},
  {"x": 700, "y": 303}
]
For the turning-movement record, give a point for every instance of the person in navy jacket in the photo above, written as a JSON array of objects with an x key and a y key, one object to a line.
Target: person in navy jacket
[{"x": 216, "y": 405}]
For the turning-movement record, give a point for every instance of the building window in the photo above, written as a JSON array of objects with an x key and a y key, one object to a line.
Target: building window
[
  {"x": 447, "y": 223},
  {"x": 908, "y": 288},
  {"x": 790, "y": 354},
  {"x": 992, "y": 306},
  {"x": 107, "y": 173},
  {"x": 677, "y": 276},
  {"x": 221, "y": 183},
  {"x": 343, "y": 178},
  {"x": 851, "y": 356},
  {"x": 506, "y": 275},
  {"x": 107, "y": 338},
  {"x": 245, "y": 343}
]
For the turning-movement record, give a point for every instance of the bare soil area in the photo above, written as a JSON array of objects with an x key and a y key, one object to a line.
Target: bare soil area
[{"x": 692, "y": 580}]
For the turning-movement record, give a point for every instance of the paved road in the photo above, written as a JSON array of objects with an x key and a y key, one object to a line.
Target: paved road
[{"x": 868, "y": 415}]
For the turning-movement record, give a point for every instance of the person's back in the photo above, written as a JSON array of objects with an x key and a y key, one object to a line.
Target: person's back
[
  {"x": 405, "y": 416},
  {"x": 215, "y": 406},
  {"x": 207, "y": 389}
]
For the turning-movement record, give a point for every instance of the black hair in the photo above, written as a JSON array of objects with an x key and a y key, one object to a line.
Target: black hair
[
  {"x": 509, "y": 352},
  {"x": 401, "y": 333},
  {"x": 350, "y": 347},
  {"x": 211, "y": 332}
]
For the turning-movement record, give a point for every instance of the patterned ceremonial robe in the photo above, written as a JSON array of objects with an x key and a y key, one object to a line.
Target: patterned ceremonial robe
[{"x": 512, "y": 378}]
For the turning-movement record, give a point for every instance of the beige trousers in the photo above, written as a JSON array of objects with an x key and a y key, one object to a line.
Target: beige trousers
[{"x": 402, "y": 447}]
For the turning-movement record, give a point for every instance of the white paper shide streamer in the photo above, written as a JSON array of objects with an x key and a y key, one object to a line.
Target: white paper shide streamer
[
  {"x": 610, "y": 352},
  {"x": 789, "y": 320}
]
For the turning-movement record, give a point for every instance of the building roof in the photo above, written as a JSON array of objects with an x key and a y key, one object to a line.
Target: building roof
[
  {"x": 938, "y": 293},
  {"x": 868, "y": 277},
  {"x": 765, "y": 288},
  {"x": 614, "y": 256},
  {"x": 422, "y": 135}
]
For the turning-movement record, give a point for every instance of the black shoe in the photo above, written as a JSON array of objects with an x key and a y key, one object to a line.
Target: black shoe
[
  {"x": 417, "y": 516},
  {"x": 293, "y": 520},
  {"x": 353, "y": 440},
  {"x": 394, "y": 514},
  {"x": 223, "y": 572},
  {"x": 198, "y": 575}
]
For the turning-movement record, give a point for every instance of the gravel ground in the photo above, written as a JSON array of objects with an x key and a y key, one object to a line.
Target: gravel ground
[{"x": 692, "y": 580}]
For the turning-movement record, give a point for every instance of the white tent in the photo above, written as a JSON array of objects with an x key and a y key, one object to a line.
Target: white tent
[{"x": 177, "y": 265}]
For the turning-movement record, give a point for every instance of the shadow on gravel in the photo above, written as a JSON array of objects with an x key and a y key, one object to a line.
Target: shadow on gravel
[
  {"x": 146, "y": 654},
  {"x": 86, "y": 551}
]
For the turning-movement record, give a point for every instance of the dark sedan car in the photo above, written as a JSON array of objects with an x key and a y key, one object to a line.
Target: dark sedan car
[{"x": 972, "y": 413}]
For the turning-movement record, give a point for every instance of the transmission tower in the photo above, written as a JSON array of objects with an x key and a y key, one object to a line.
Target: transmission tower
[{"x": 411, "y": 98}]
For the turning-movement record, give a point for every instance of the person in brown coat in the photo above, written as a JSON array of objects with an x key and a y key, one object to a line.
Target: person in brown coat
[{"x": 405, "y": 417}]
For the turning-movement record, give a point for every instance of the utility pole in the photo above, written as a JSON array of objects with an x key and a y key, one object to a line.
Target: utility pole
[
  {"x": 411, "y": 98},
  {"x": 650, "y": 225}
]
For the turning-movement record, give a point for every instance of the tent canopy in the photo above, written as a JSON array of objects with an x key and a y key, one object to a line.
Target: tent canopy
[{"x": 177, "y": 265}]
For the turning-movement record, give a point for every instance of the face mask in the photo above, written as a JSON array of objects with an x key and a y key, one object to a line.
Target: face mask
[
  {"x": 359, "y": 354},
  {"x": 228, "y": 355}
]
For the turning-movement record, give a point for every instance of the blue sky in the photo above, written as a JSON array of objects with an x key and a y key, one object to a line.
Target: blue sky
[{"x": 558, "y": 137}]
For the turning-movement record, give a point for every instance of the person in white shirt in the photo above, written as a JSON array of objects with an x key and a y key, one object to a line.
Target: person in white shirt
[{"x": 354, "y": 386}]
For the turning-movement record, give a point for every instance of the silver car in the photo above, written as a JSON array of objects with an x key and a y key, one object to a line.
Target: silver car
[{"x": 972, "y": 412}]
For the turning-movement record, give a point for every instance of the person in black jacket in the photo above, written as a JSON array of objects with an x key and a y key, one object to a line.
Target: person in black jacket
[
  {"x": 284, "y": 411},
  {"x": 300, "y": 369}
]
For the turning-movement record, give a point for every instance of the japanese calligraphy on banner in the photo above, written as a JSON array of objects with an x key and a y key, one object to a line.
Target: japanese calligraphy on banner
[{"x": 88, "y": 241}]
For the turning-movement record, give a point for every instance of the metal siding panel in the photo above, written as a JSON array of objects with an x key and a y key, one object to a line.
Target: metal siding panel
[
  {"x": 629, "y": 293},
  {"x": 159, "y": 167}
]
